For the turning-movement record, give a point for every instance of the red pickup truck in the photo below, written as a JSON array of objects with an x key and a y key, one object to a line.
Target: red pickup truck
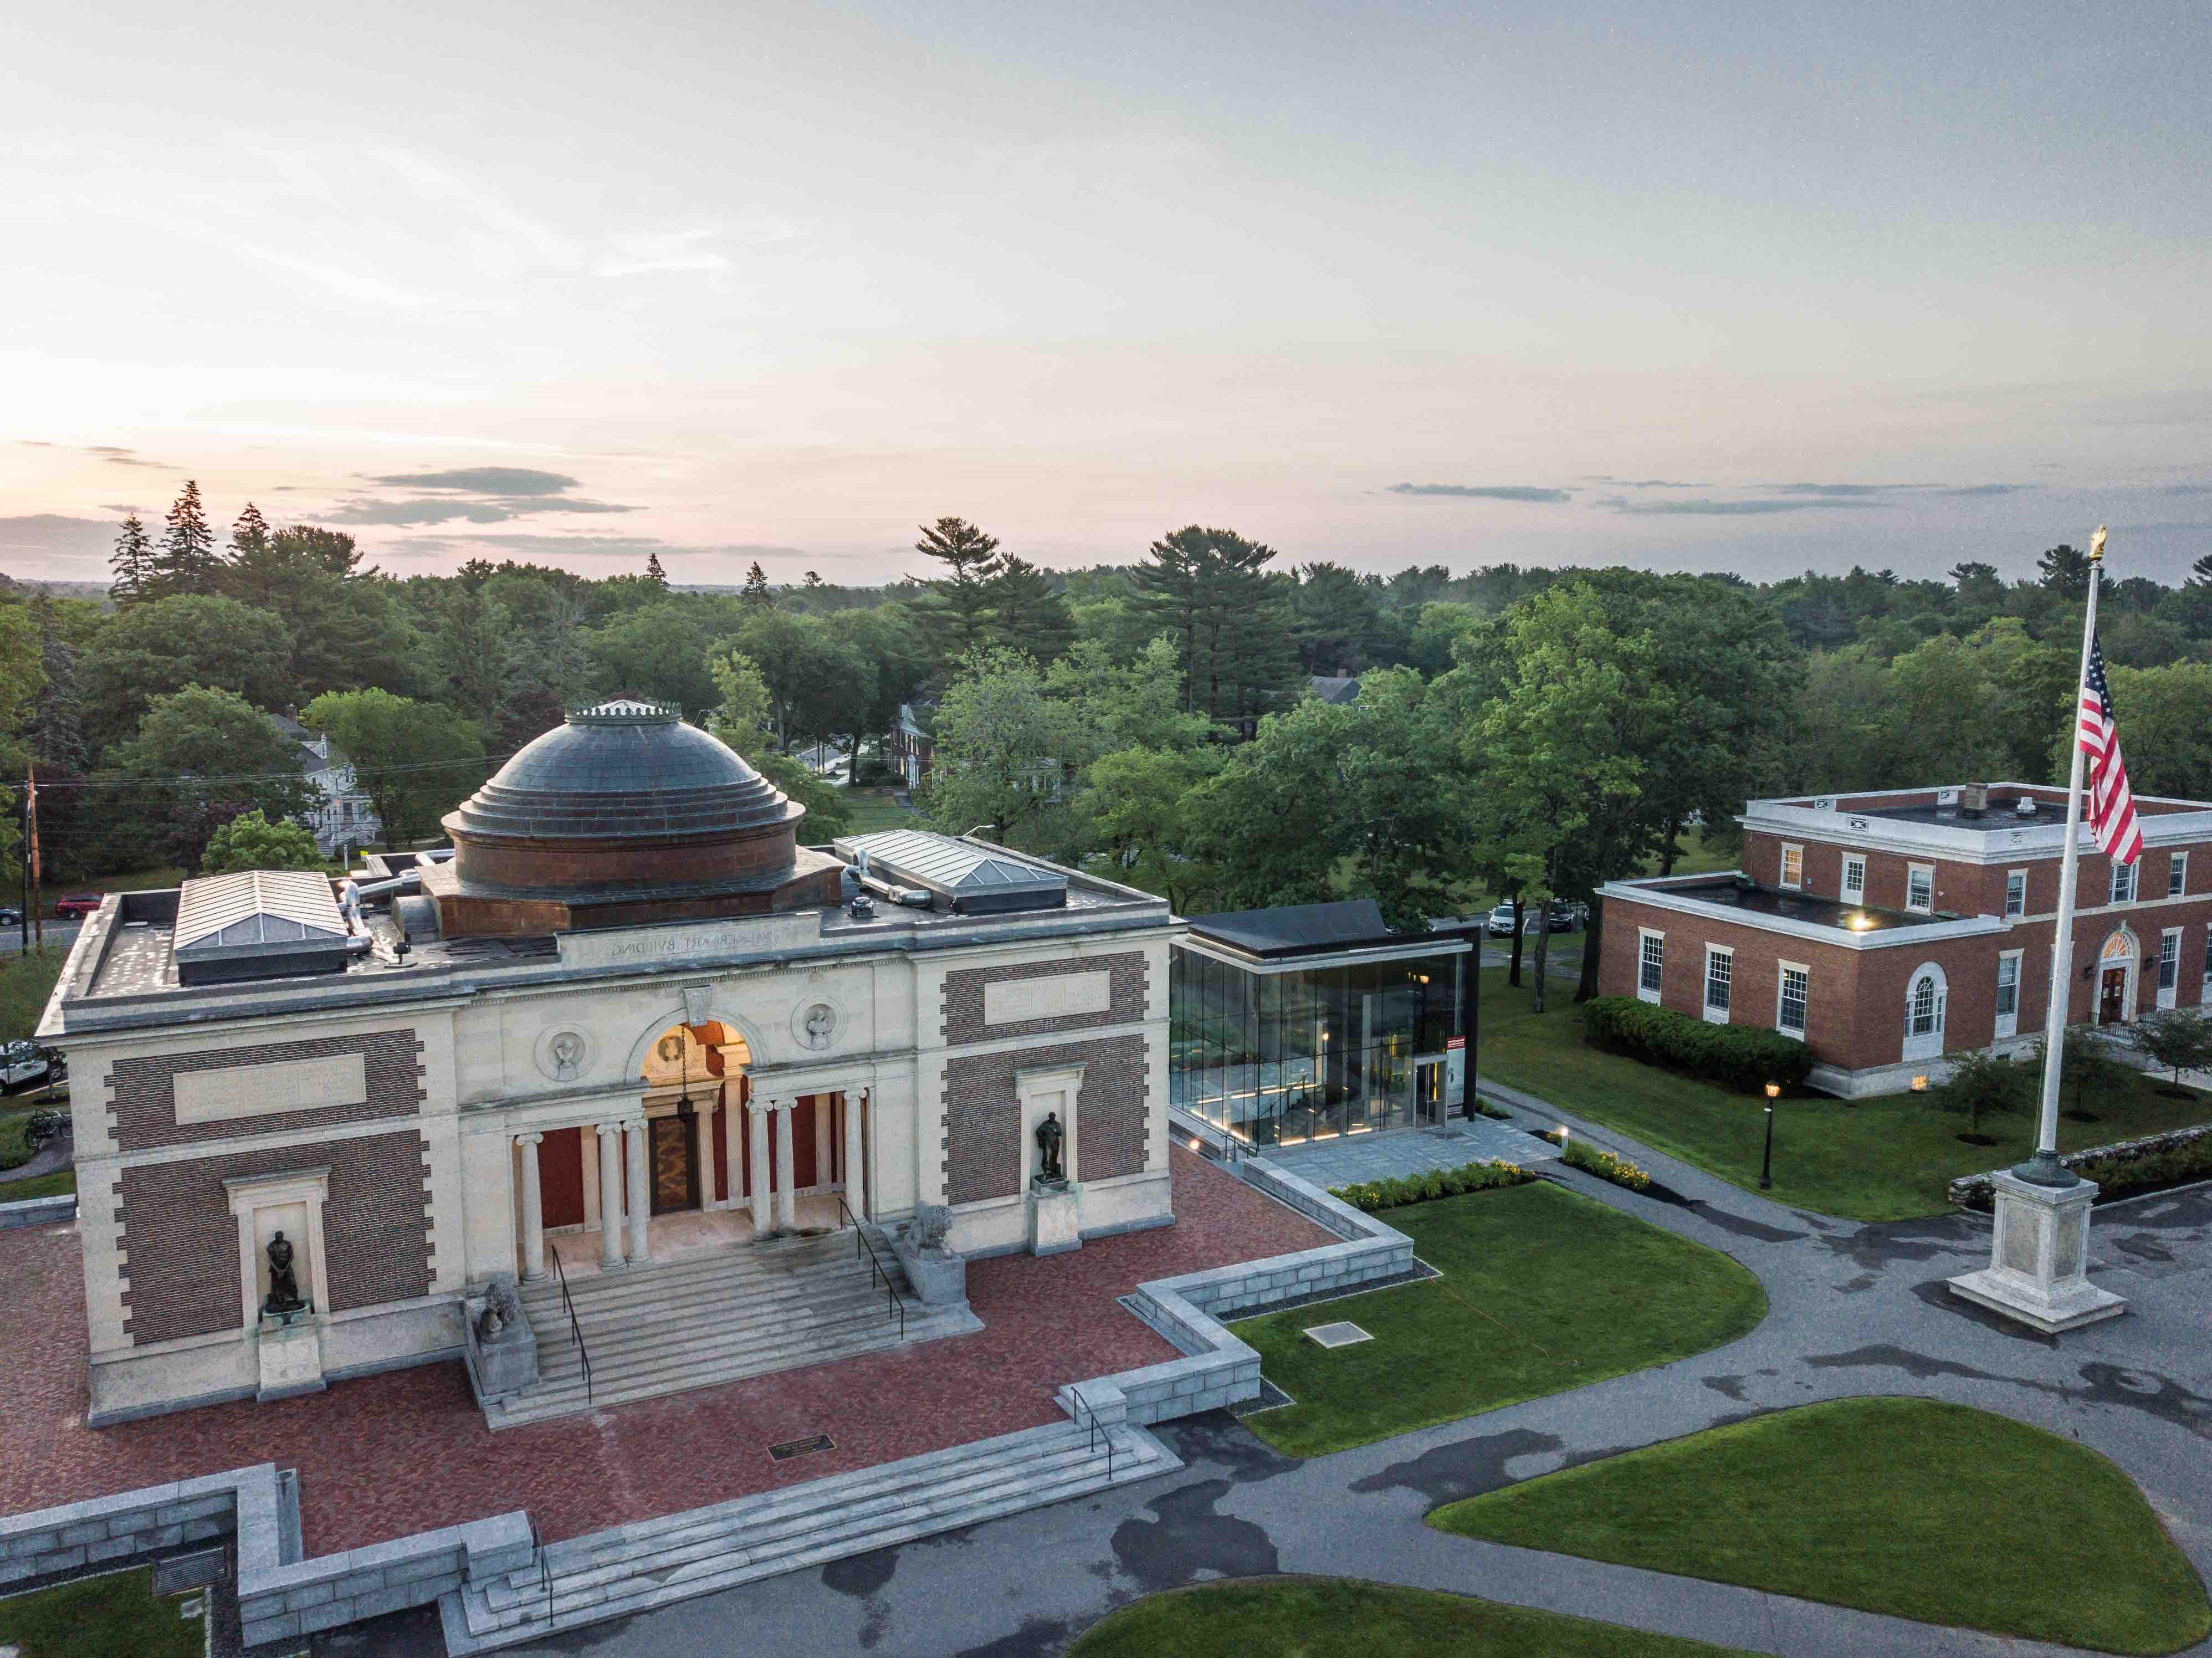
[{"x": 76, "y": 904}]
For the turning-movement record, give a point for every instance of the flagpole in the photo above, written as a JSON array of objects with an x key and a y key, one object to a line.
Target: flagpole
[{"x": 2044, "y": 1168}]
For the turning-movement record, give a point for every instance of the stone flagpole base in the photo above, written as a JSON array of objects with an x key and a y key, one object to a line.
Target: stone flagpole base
[{"x": 2038, "y": 1273}]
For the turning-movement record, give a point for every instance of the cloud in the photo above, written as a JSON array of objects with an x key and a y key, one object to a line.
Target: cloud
[
  {"x": 447, "y": 509},
  {"x": 1840, "y": 490},
  {"x": 48, "y": 533},
  {"x": 483, "y": 481},
  {"x": 114, "y": 454},
  {"x": 1704, "y": 507},
  {"x": 649, "y": 254},
  {"x": 1989, "y": 489},
  {"x": 1645, "y": 483},
  {"x": 1483, "y": 491}
]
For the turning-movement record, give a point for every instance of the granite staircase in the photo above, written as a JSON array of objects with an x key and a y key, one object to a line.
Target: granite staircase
[
  {"x": 716, "y": 1316},
  {"x": 652, "y": 1563}
]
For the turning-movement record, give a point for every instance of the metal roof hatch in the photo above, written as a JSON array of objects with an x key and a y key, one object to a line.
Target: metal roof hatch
[
  {"x": 258, "y": 924},
  {"x": 965, "y": 879}
]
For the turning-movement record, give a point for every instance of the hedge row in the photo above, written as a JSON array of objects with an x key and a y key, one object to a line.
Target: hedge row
[
  {"x": 2191, "y": 1161},
  {"x": 1737, "y": 1056},
  {"x": 1370, "y": 1195}
]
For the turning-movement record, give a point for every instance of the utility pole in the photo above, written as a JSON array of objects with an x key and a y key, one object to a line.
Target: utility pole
[
  {"x": 31, "y": 866},
  {"x": 24, "y": 919}
]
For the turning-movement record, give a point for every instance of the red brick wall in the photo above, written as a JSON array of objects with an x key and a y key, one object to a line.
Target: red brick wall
[
  {"x": 964, "y": 997},
  {"x": 1756, "y": 979},
  {"x": 180, "y": 1240},
  {"x": 984, "y": 1155},
  {"x": 144, "y": 1097}
]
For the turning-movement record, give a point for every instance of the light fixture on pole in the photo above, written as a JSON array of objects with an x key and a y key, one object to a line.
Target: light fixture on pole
[{"x": 1767, "y": 1162}]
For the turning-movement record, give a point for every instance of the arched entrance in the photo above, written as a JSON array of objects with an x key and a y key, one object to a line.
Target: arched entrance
[
  {"x": 2116, "y": 978},
  {"x": 695, "y": 1089}
]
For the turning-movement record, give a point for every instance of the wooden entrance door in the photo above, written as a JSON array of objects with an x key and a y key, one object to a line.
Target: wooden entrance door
[
  {"x": 2112, "y": 995},
  {"x": 674, "y": 1145}
]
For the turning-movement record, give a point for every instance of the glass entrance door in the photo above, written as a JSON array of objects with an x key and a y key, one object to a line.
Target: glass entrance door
[
  {"x": 1429, "y": 1091},
  {"x": 675, "y": 1168}
]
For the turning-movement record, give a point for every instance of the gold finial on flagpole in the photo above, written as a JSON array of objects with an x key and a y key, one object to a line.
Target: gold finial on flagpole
[{"x": 2097, "y": 546}]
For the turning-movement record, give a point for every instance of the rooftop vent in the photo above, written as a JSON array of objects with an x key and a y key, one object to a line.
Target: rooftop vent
[
  {"x": 1974, "y": 799},
  {"x": 257, "y": 923},
  {"x": 965, "y": 879},
  {"x": 2024, "y": 807}
]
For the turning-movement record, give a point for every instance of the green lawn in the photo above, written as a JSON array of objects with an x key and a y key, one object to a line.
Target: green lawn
[
  {"x": 117, "y": 1616},
  {"x": 1340, "y": 1617},
  {"x": 1880, "y": 1159},
  {"x": 871, "y": 812},
  {"x": 1906, "y": 1506},
  {"x": 25, "y": 981},
  {"x": 39, "y": 1186},
  {"x": 1542, "y": 1290}
]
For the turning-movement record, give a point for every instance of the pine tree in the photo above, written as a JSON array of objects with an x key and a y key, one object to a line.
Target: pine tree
[
  {"x": 333, "y": 549},
  {"x": 132, "y": 560},
  {"x": 963, "y": 602},
  {"x": 2200, "y": 572},
  {"x": 249, "y": 534},
  {"x": 56, "y": 734},
  {"x": 2065, "y": 571},
  {"x": 186, "y": 563},
  {"x": 756, "y": 591},
  {"x": 812, "y": 580},
  {"x": 1030, "y": 615},
  {"x": 654, "y": 571}
]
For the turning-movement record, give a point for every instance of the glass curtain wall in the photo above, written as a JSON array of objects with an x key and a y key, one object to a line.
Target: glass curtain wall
[{"x": 1283, "y": 1057}]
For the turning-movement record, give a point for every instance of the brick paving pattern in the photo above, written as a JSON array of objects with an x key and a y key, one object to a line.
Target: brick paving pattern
[{"x": 388, "y": 1454}]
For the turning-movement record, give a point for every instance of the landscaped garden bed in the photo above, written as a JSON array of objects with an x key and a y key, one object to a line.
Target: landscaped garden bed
[
  {"x": 1429, "y": 1186},
  {"x": 1890, "y": 1159},
  {"x": 1541, "y": 1289},
  {"x": 1911, "y": 1507},
  {"x": 1338, "y": 1618},
  {"x": 1596, "y": 1160}
]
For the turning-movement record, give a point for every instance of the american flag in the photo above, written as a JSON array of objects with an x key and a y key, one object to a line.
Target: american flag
[{"x": 2111, "y": 806}]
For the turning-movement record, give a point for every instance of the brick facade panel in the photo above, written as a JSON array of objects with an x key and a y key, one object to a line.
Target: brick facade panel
[
  {"x": 181, "y": 1241},
  {"x": 143, "y": 1097},
  {"x": 964, "y": 997},
  {"x": 984, "y": 1153}
]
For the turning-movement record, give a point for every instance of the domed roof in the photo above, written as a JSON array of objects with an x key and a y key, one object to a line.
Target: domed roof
[{"x": 626, "y": 769}]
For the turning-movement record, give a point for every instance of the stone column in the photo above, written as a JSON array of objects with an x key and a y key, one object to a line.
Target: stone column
[
  {"x": 534, "y": 1209},
  {"x": 641, "y": 1197},
  {"x": 756, "y": 1125},
  {"x": 787, "y": 1165},
  {"x": 611, "y": 1196},
  {"x": 856, "y": 1196},
  {"x": 702, "y": 1148}
]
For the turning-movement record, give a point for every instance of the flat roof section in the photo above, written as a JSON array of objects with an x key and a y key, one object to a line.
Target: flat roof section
[
  {"x": 1732, "y": 892},
  {"x": 1301, "y": 929}
]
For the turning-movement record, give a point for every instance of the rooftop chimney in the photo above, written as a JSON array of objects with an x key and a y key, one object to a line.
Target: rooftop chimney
[{"x": 1974, "y": 799}]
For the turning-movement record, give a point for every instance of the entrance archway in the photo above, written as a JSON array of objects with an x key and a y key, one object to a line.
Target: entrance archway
[
  {"x": 2117, "y": 963},
  {"x": 693, "y": 1077}
]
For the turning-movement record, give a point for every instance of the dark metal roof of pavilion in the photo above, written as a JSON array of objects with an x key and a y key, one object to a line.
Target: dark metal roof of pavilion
[
  {"x": 1299, "y": 929},
  {"x": 623, "y": 769}
]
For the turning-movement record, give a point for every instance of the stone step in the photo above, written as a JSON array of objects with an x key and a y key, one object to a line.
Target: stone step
[
  {"x": 753, "y": 1263},
  {"x": 679, "y": 1312},
  {"x": 634, "y": 1568},
  {"x": 636, "y": 1360}
]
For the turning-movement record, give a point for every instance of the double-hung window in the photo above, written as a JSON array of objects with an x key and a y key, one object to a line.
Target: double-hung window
[
  {"x": 1854, "y": 887},
  {"x": 2124, "y": 882},
  {"x": 1920, "y": 887},
  {"x": 2009, "y": 994},
  {"x": 2015, "y": 892},
  {"x": 2177, "y": 874},
  {"x": 1650, "y": 963},
  {"x": 1719, "y": 973},
  {"x": 1793, "y": 867},
  {"x": 2206, "y": 991},
  {"x": 1790, "y": 998},
  {"x": 2169, "y": 967}
]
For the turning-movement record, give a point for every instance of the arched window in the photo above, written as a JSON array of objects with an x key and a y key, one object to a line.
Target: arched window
[
  {"x": 1927, "y": 1006},
  {"x": 1927, "y": 997}
]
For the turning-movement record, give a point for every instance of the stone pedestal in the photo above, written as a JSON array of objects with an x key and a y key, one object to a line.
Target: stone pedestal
[
  {"x": 291, "y": 1357},
  {"x": 939, "y": 1277},
  {"x": 505, "y": 1365},
  {"x": 2038, "y": 1273},
  {"x": 1056, "y": 1216}
]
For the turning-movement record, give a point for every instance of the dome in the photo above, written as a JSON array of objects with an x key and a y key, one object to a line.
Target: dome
[{"x": 625, "y": 770}]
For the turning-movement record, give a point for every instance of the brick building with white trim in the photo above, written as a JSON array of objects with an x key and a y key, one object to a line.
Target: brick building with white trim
[{"x": 1892, "y": 929}]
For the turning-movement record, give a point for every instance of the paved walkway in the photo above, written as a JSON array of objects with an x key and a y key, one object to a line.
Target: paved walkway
[
  {"x": 1855, "y": 1309},
  {"x": 1410, "y": 1152}
]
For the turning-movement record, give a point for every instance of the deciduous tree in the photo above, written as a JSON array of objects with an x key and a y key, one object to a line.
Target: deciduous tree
[{"x": 414, "y": 760}]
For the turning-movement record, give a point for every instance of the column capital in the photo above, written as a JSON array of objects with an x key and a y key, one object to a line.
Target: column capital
[
  {"x": 532, "y": 1139},
  {"x": 606, "y": 1128}
]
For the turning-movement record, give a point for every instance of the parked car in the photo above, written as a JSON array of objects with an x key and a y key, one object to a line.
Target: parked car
[
  {"x": 25, "y": 1065},
  {"x": 77, "y": 905},
  {"x": 10, "y": 916},
  {"x": 1500, "y": 925},
  {"x": 1563, "y": 919}
]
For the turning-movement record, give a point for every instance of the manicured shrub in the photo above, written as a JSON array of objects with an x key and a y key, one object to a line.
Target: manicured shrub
[
  {"x": 2182, "y": 1163},
  {"x": 1736, "y": 1056},
  {"x": 1369, "y": 1196},
  {"x": 1596, "y": 1160}
]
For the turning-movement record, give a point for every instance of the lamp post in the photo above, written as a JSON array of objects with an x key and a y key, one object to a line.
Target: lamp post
[{"x": 1766, "y": 1163}]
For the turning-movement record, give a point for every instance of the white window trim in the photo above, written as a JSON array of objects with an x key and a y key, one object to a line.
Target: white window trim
[
  {"x": 1844, "y": 890},
  {"x": 2010, "y": 875},
  {"x": 1782, "y": 970},
  {"x": 2132, "y": 874},
  {"x": 2169, "y": 995},
  {"x": 1717, "y": 1015},
  {"x": 2177, "y": 864},
  {"x": 1642, "y": 992},
  {"x": 1782, "y": 871},
  {"x": 1930, "y": 1046},
  {"x": 2009, "y": 1023},
  {"x": 1928, "y": 870}
]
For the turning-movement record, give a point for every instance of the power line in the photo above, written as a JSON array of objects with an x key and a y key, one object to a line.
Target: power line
[{"x": 205, "y": 777}]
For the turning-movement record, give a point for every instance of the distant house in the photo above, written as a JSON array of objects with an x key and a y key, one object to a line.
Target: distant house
[
  {"x": 913, "y": 749},
  {"x": 1335, "y": 689},
  {"x": 343, "y": 814}
]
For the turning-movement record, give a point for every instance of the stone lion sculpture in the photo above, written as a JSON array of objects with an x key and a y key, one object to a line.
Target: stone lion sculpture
[
  {"x": 930, "y": 1222},
  {"x": 502, "y": 1307}
]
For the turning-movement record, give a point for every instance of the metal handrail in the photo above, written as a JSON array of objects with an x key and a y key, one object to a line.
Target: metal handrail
[
  {"x": 545, "y": 1566},
  {"x": 875, "y": 1263},
  {"x": 1087, "y": 1417},
  {"x": 575, "y": 1329}
]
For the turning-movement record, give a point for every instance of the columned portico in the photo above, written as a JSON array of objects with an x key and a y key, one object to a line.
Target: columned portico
[
  {"x": 611, "y": 1196},
  {"x": 856, "y": 1156},
  {"x": 787, "y": 1169},
  {"x": 641, "y": 1195},
  {"x": 763, "y": 1218},
  {"x": 533, "y": 1208}
]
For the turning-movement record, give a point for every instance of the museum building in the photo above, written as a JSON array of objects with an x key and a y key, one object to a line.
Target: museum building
[
  {"x": 1891, "y": 929},
  {"x": 635, "y": 1047}
]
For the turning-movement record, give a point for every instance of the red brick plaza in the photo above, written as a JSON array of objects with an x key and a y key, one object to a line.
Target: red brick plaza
[{"x": 388, "y": 1454}]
